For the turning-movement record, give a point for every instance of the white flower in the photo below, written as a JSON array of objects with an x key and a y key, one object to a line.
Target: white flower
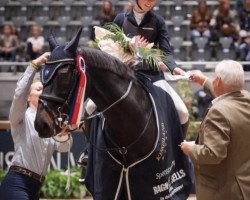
[{"x": 113, "y": 48}]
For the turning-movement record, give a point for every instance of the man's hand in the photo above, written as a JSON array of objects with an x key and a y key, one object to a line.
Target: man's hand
[
  {"x": 197, "y": 76},
  {"x": 186, "y": 147}
]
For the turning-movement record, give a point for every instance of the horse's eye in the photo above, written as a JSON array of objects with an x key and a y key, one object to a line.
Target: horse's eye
[{"x": 62, "y": 84}]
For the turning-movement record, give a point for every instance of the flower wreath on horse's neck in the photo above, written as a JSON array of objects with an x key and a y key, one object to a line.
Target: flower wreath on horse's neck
[{"x": 112, "y": 40}]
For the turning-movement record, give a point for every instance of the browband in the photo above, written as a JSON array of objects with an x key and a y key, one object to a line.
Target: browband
[{"x": 58, "y": 61}]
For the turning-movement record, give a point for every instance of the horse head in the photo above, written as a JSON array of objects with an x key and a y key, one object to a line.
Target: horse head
[{"x": 59, "y": 77}]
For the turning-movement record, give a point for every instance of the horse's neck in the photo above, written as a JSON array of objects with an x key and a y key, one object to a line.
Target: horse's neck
[
  {"x": 108, "y": 88},
  {"x": 126, "y": 120}
]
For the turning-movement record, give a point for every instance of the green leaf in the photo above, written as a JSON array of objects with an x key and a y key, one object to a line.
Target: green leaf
[
  {"x": 2, "y": 174},
  {"x": 117, "y": 36},
  {"x": 152, "y": 55},
  {"x": 55, "y": 182}
]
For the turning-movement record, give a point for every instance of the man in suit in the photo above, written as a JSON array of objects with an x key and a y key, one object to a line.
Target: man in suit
[{"x": 220, "y": 154}]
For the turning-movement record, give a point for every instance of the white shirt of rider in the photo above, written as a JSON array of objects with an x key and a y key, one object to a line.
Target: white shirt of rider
[{"x": 138, "y": 17}]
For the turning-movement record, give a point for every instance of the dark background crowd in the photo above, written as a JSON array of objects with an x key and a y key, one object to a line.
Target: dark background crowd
[{"x": 199, "y": 30}]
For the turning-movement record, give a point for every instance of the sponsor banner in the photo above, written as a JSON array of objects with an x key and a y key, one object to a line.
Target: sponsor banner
[{"x": 58, "y": 161}]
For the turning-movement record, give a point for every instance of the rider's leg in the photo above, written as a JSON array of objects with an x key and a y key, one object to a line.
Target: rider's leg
[{"x": 179, "y": 104}]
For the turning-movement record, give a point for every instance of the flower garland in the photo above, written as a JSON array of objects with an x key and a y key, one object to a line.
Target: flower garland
[{"x": 112, "y": 40}]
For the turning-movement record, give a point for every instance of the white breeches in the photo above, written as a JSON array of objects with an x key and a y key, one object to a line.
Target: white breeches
[{"x": 179, "y": 104}]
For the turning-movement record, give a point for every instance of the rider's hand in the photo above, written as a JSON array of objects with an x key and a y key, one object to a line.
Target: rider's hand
[
  {"x": 163, "y": 67},
  {"x": 178, "y": 71},
  {"x": 141, "y": 41},
  {"x": 40, "y": 60},
  {"x": 138, "y": 41}
]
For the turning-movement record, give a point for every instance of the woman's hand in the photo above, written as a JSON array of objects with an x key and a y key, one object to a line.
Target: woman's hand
[
  {"x": 178, "y": 71},
  {"x": 141, "y": 41},
  {"x": 40, "y": 60},
  {"x": 163, "y": 67},
  {"x": 138, "y": 41}
]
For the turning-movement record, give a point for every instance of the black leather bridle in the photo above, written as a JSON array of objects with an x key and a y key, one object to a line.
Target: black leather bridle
[{"x": 61, "y": 119}]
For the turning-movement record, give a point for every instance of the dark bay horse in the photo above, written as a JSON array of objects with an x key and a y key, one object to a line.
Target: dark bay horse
[
  {"x": 107, "y": 81},
  {"x": 130, "y": 124}
]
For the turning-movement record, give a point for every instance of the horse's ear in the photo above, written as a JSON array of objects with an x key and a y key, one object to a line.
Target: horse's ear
[
  {"x": 72, "y": 45},
  {"x": 52, "y": 41}
]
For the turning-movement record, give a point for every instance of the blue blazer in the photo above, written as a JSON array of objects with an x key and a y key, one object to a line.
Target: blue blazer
[{"x": 152, "y": 27}]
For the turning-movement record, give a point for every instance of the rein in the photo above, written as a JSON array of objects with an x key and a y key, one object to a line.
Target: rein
[
  {"x": 106, "y": 109},
  {"x": 122, "y": 150}
]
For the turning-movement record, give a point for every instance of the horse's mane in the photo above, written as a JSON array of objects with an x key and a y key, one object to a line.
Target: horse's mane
[{"x": 99, "y": 59}]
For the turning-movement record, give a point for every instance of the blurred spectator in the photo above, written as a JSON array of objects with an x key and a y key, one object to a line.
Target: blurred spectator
[
  {"x": 241, "y": 39},
  {"x": 35, "y": 43},
  {"x": 224, "y": 21},
  {"x": 107, "y": 13},
  {"x": 244, "y": 50},
  {"x": 200, "y": 21},
  {"x": 8, "y": 44},
  {"x": 128, "y": 6},
  {"x": 203, "y": 103},
  {"x": 244, "y": 16},
  {"x": 14, "y": 30},
  {"x": 238, "y": 5}
]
